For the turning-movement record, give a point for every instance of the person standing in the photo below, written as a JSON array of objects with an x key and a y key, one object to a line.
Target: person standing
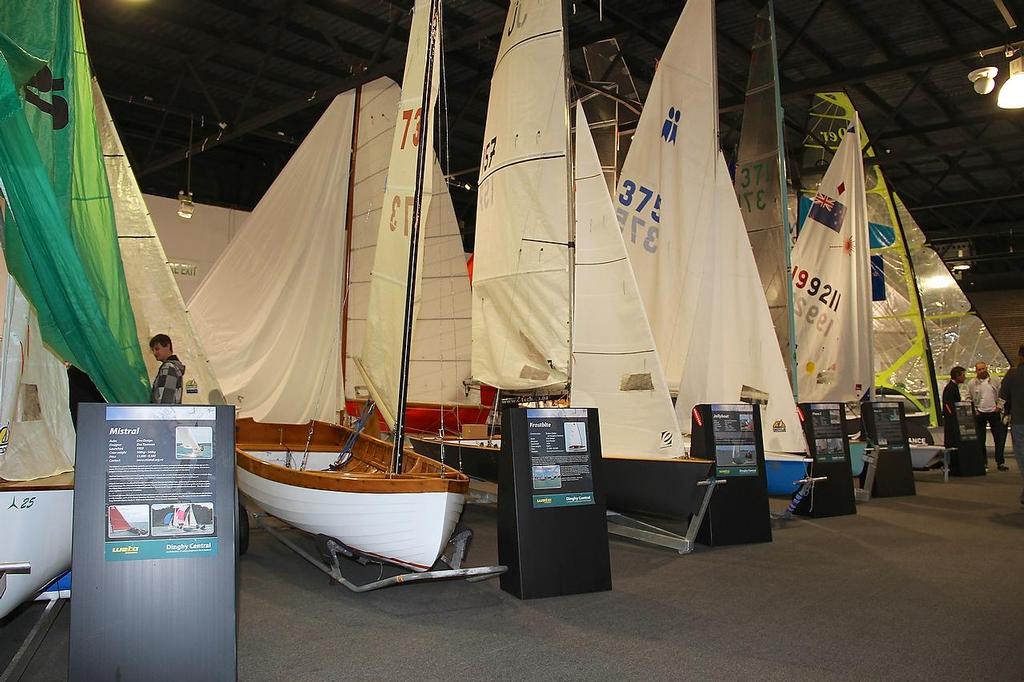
[
  {"x": 1012, "y": 393},
  {"x": 984, "y": 392},
  {"x": 951, "y": 396},
  {"x": 169, "y": 382}
]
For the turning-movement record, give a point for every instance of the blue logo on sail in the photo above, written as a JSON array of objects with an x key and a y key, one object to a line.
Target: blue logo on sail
[
  {"x": 671, "y": 125},
  {"x": 827, "y": 211}
]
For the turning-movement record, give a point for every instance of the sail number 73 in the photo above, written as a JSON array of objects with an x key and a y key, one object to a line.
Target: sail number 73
[
  {"x": 635, "y": 209},
  {"x": 411, "y": 115}
]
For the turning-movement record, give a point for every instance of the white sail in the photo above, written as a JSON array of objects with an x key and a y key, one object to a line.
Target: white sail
[
  {"x": 156, "y": 301},
  {"x": 37, "y": 438},
  {"x": 268, "y": 312},
  {"x": 666, "y": 188},
  {"x": 380, "y": 361},
  {"x": 521, "y": 287},
  {"x": 731, "y": 353},
  {"x": 441, "y": 342},
  {"x": 688, "y": 246},
  {"x": 832, "y": 285},
  {"x": 615, "y": 366}
]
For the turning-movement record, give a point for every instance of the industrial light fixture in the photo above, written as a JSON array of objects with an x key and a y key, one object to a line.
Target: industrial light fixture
[
  {"x": 1011, "y": 95},
  {"x": 984, "y": 79},
  {"x": 185, "y": 206},
  {"x": 960, "y": 267}
]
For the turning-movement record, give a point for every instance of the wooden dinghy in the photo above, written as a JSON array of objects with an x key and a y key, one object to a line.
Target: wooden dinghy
[{"x": 405, "y": 518}]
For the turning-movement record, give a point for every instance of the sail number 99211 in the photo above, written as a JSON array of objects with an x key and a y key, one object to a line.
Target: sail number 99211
[{"x": 635, "y": 209}]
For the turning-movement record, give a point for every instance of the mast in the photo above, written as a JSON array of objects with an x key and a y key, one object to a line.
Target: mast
[
  {"x": 783, "y": 203},
  {"x": 414, "y": 238},
  {"x": 347, "y": 272},
  {"x": 570, "y": 187}
]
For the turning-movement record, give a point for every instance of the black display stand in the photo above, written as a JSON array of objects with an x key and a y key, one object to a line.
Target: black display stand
[
  {"x": 824, "y": 426},
  {"x": 731, "y": 436},
  {"x": 886, "y": 430},
  {"x": 552, "y": 529},
  {"x": 155, "y": 533},
  {"x": 967, "y": 457}
]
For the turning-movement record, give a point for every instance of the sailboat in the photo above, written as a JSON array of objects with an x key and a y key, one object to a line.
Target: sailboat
[
  {"x": 548, "y": 317},
  {"x": 36, "y": 457},
  {"x": 377, "y": 499},
  {"x": 79, "y": 282},
  {"x": 923, "y": 324},
  {"x": 439, "y": 398},
  {"x": 689, "y": 248}
]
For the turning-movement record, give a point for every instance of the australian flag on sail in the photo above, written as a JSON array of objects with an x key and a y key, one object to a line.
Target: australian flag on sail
[{"x": 827, "y": 211}]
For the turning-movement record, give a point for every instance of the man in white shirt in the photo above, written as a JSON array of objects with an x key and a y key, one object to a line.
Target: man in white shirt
[{"x": 988, "y": 411}]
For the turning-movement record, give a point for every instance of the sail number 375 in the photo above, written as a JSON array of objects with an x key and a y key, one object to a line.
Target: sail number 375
[{"x": 635, "y": 209}]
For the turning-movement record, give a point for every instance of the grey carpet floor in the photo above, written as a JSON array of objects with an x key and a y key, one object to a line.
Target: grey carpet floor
[{"x": 920, "y": 588}]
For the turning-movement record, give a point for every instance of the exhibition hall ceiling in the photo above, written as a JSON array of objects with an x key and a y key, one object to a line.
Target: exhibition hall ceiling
[{"x": 243, "y": 81}]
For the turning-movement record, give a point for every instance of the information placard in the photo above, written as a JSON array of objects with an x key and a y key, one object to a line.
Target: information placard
[
  {"x": 161, "y": 483},
  {"x": 967, "y": 456},
  {"x": 552, "y": 529},
  {"x": 886, "y": 429},
  {"x": 965, "y": 421},
  {"x": 890, "y": 432},
  {"x": 735, "y": 440},
  {"x": 560, "y": 463},
  {"x": 829, "y": 432},
  {"x": 730, "y": 434},
  {"x": 154, "y": 553},
  {"x": 824, "y": 426}
]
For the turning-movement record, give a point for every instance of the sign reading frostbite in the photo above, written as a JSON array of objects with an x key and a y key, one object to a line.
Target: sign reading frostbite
[{"x": 559, "y": 457}]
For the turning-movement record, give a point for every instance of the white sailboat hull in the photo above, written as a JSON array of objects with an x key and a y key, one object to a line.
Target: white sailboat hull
[
  {"x": 408, "y": 529},
  {"x": 36, "y": 529}
]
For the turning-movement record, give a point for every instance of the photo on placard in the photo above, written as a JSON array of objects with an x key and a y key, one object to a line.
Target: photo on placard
[
  {"x": 835, "y": 446},
  {"x": 735, "y": 455},
  {"x": 193, "y": 442},
  {"x": 182, "y": 518},
  {"x": 547, "y": 476},
  {"x": 575, "y": 436},
  {"x": 127, "y": 521},
  {"x": 821, "y": 445},
  {"x": 746, "y": 421}
]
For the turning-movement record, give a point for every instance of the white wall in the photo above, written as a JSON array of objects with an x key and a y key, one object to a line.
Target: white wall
[{"x": 193, "y": 245}]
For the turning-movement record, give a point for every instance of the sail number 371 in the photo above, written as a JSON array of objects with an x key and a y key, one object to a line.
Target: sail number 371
[{"x": 635, "y": 209}]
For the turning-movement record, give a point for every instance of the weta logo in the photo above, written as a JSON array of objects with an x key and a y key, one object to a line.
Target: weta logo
[
  {"x": 44, "y": 82},
  {"x": 779, "y": 426}
]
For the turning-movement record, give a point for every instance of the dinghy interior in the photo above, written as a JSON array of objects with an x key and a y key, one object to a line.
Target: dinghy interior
[{"x": 338, "y": 486}]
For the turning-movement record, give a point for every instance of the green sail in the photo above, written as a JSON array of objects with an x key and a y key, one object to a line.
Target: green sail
[
  {"x": 923, "y": 325},
  {"x": 60, "y": 239}
]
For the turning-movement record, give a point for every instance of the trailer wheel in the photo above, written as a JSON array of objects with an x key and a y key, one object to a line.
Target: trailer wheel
[{"x": 243, "y": 530}]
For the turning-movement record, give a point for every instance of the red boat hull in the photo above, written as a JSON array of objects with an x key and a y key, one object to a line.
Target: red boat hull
[{"x": 427, "y": 419}]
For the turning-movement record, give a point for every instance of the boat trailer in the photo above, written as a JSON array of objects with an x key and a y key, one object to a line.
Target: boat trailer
[{"x": 332, "y": 551}]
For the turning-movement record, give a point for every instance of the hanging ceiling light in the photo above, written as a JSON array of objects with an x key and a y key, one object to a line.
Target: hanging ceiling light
[
  {"x": 1011, "y": 95},
  {"x": 185, "y": 205}
]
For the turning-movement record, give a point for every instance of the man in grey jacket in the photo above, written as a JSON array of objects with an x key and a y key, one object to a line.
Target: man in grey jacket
[{"x": 1012, "y": 392}]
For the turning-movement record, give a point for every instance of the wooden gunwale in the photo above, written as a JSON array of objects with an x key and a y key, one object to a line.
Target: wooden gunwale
[{"x": 365, "y": 472}]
